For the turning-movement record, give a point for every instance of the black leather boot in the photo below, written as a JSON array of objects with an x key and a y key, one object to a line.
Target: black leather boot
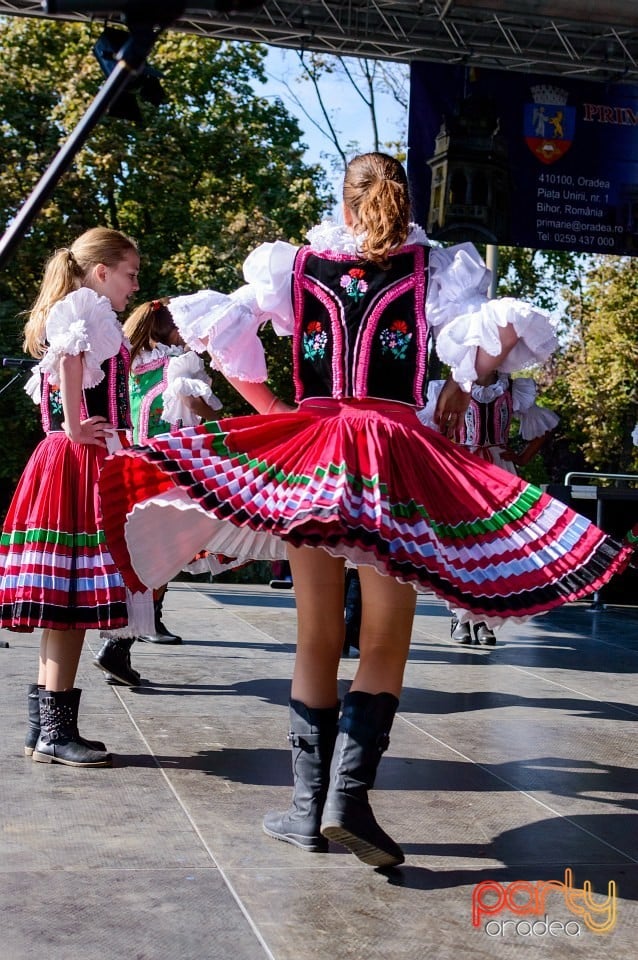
[
  {"x": 115, "y": 659},
  {"x": 33, "y": 730},
  {"x": 461, "y": 632},
  {"x": 363, "y": 737},
  {"x": 33, "y": 703},
  {"x": 162, "y": 633},
  {"x": 59, "y": 740},
  {"x": 484, "y": 635},
  {"x": 312, "y": 737}
]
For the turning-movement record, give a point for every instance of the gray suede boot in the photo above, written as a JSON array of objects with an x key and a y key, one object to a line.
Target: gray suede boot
[
  {"x": 363, "y": 737},
  {"x": 312, "y": 737}
]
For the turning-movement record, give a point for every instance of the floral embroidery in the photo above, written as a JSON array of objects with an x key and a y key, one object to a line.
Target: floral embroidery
[
  {"x": 155, "y": 423},
  {"x": 395, "y": 339},
  {"x": 353, "y": 283},
  {"x": 314, "y": 341},
  {"x": 55, "y": 401}
]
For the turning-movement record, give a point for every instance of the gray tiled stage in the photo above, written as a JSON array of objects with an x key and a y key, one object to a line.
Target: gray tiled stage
[{"x": 508, "y": 764}]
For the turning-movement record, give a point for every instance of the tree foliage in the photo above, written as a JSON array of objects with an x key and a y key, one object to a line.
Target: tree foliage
[
  {"x": 209, "y": 174},
  {"x": 595, "y": 378},
  {"x": 538, "y": 276}
]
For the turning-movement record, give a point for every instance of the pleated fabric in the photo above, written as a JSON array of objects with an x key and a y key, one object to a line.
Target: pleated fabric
[
  {"x": 364, "y": 480},
  {"x": 57, "y": 571}
]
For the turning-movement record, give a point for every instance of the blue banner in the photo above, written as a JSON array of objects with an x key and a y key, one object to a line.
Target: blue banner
[{"x": 524, "y": 160}]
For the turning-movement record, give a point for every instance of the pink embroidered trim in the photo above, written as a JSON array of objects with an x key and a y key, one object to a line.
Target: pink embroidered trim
[
  {"x": 335, "y": 317},
  {"x": 298, "y": 271},
  {"x": 416, "y": 282},
  {"x": 44, "y": 405},
  {"x": 151, "y": 365},
  {"x": 420, "y": 271},
  {"x": 502, "y": 417}
]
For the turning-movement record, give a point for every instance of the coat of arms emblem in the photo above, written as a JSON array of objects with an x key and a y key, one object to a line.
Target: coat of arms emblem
[{"x": 549, "y": 123}]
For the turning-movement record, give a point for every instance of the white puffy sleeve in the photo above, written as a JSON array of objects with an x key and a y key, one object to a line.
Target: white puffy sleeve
[
  {"x": 268, "y": 271},
  {"x": 534, "y": 421},
  {"x": 32, "y": 386},
  {"x": 81, "y": 323},
  {"x": 426, "y": 414},
  {"x": 463, "y": 318},
  {"x": 634, "y": 435},
  {"x": 186, "y": 377},
  {"x": 227, "y": 326}
]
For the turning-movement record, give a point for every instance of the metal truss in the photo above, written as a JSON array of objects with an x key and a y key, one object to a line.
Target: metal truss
[{"x": 590, "y": 39}]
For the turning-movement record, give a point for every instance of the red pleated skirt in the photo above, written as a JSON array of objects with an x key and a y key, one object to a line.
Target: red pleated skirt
[
  {"x": 364, "y": 480},
  {"x": 57, "y": 571}
]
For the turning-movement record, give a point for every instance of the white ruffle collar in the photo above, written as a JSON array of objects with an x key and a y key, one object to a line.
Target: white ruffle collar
[
  {"x": 159, "y": 352},
  {"x": 338, "y": 238},
  {"x": 489, "y": 392}
]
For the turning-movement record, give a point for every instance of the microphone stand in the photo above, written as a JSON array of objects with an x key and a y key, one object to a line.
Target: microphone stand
[
  {"x": 16, "y": 376},
  {"x": 130, "y": 63},
  {"x": 23, "y": 366}
]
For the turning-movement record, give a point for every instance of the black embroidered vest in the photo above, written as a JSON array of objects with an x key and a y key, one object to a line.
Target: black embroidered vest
[
  {"x": 360, "y": 331},
  {"x": 488, "y": 424},
  {"x": 108, "y": 399}
]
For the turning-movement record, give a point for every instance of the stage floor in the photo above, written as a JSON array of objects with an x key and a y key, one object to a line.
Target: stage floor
[{"x": 510, "y": 764}]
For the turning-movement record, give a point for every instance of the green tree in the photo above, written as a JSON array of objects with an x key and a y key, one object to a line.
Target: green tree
[
  {"x": 539, "y": 276},
  {"x": 209, "y": 173},
  {"x": 595, "y": 378}
]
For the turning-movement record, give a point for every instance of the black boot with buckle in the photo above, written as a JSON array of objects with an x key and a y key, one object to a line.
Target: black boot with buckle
[
  {"x": 59, "y": 740},
  {"x": 33, "y": 704},
  {"x": 312, "y": 737}
]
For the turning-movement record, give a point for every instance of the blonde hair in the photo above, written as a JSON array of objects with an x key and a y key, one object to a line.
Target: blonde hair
[
  {"x": 375, "y": 190},
  {"x": 67, "y": 270},
  {"x": 143, "y": 326}
]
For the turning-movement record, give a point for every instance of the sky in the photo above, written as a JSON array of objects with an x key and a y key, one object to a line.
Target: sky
[{"x": 349, "y": 114}]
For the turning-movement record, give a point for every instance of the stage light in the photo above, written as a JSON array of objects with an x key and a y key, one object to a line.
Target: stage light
[{"x": 147, "y": 85}]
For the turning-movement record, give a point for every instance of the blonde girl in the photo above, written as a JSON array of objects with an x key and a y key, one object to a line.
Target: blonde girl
[{"x": 57, "y": 572}]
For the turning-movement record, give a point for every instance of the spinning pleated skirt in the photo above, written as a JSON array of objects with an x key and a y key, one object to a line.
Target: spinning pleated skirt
[
  {"x": 364, "y": 480},
  {"x": 57, "y": 571}
]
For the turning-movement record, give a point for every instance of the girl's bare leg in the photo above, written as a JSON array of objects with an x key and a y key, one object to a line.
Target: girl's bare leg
[
  {"x": 386, "y": 629},
  {"x": 63, "y": 649},
  {"x": 319, "y": 592},
  {"x": 42, "y": 666}
]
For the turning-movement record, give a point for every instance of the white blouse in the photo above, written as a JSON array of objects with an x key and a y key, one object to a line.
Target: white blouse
[
  {"x": 457, "y": 308},
  {"x": 81, "y": 323},
  {"x": 534, "y": 421},
  {"x": 186, "y": 376}
]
